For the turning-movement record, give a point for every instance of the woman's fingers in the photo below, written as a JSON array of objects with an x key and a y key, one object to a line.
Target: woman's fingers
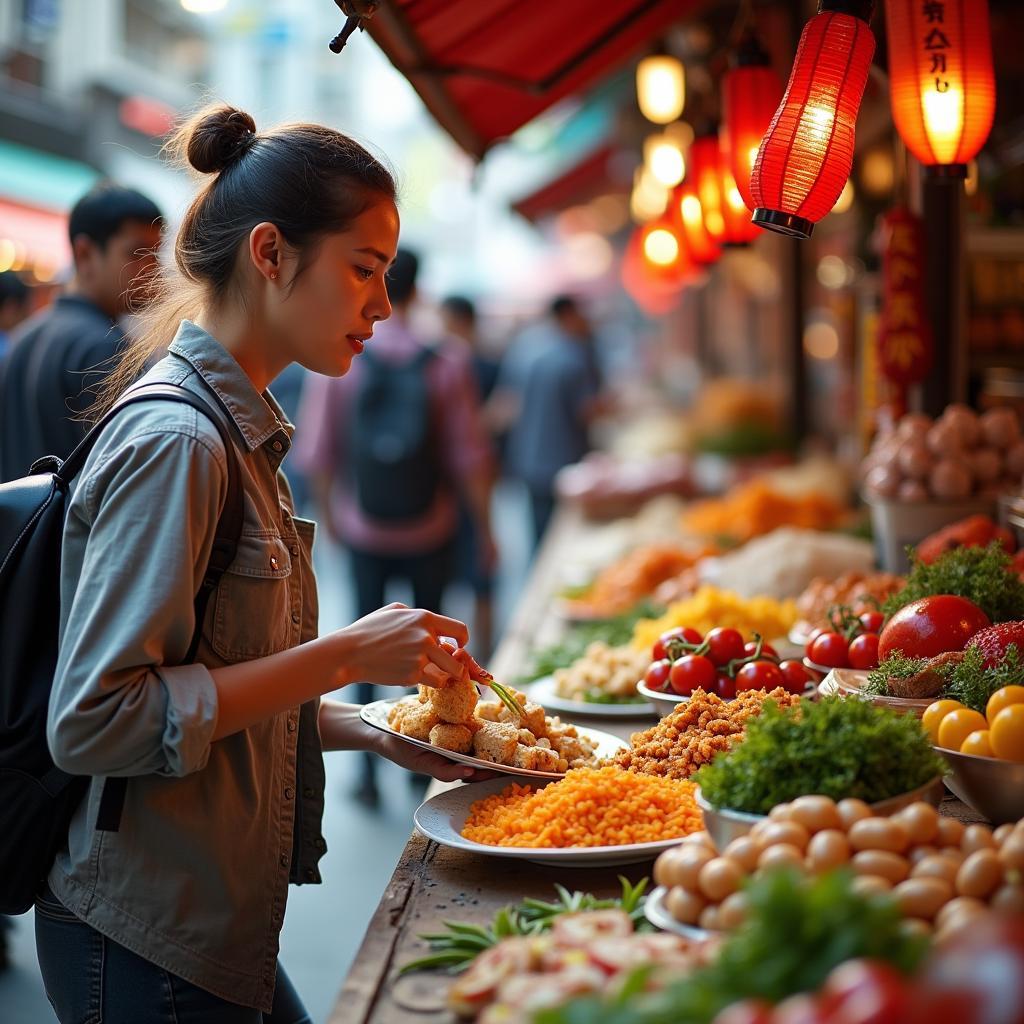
[
  {"x": 444, "y": 661},
  {"x": 441, "y": 625},
  {"x": 434, "y": 676}
]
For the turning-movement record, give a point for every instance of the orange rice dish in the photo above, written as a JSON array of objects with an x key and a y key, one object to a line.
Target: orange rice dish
[{"x": 589, "y": 807}]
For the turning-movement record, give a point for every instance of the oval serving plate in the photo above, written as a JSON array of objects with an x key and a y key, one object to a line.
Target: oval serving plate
[
  {"x": 442, "y": 818},
  {"x": 850, "y": 682},
  {"x": 658, "y": 914},
  {"x": 376, "y": 714},
  {"x": 543, "y": 692}
]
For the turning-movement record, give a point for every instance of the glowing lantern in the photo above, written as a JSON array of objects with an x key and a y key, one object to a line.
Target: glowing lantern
[
  {"x": 807, "y": 154},
  {"x": 660, "y": 88},
  {"x": 739, "y": 228},
  {"x": 941, "y": 80},
  {"x": 751, "y": 92},
  {"x": 687, "y": 218},
  {"x": 705, "y": 172},
  {"x": 656, "y": 285}
]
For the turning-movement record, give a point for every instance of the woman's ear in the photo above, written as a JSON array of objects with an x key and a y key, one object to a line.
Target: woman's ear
[{"x": 266, "y": 248}]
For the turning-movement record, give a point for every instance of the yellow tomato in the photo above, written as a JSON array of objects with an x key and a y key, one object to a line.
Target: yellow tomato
[
  {"x": 935, "y": 713},
  {"x": 1003, "y": 698},
  {"x": 958, "y": 725},
  {"x": 977, "y": 743},
  {"x": 1008, "y": 733}
]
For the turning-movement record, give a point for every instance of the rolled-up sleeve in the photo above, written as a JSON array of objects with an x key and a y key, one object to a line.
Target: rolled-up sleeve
[{"x": 136, "y": 544}]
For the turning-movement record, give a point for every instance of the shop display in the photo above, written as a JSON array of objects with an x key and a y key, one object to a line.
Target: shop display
[
  {"x": 696, "y": 732},
  {"x": 850, "y": 640},
  {"x": 998, "y": 732},
  {"x": 972, "y": 532},
  {"x": 860, "y": 592},
  {"x": 604, "y": 675}
]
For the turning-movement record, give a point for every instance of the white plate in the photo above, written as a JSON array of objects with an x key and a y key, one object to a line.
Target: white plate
[
  {"x": 662, "y": 702},
  {"x": 543, "y": 692},
  {"x": 658, "y": 914},
  {"x": 376, "y": 714},
  {"x": 442, "y": 817}
]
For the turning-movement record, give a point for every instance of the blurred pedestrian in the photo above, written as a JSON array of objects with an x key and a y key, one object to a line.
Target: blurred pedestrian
[
  {"x": 389, "y": 448},
  {"x": 548, "y": 393},
  {"x": 14, "y": 306},
  {"x": 177, "y": 913},
  {"x": 472, "y": 566},
  {"x": 59, "y": 357}
]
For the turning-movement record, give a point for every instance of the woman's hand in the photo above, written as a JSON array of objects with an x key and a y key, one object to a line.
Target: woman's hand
[{"x": 398, "y": 646}]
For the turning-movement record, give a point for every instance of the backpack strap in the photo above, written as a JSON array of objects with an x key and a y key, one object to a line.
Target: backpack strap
[{"x": 225, "y": 542}]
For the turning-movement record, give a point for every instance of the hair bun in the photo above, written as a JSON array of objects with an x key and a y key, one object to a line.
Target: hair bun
[{"x": 218, "y": 137}]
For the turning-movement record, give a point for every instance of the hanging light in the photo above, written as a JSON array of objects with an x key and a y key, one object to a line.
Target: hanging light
[
  {"x": 751, "y": 92},
  {"x": 663, "y": 157},
  {"x": 648, "y": 198},
  {"x": 739, "y": 228},
  {"x": 705, "y": 170},
  {"x": 941, "y": 80},
  {"x": 660, "y": 88},
  {"x": 686, "y": 214},
  {"x": 807, "y": 154}
]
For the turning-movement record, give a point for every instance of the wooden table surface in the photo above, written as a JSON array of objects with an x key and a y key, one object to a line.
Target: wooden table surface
[{"x": 433, "y": 883}]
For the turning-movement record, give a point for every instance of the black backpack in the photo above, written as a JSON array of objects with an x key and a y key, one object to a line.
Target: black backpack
[
  {"x": 393, "y": 454},
  {"x": 37, "y": 799}
]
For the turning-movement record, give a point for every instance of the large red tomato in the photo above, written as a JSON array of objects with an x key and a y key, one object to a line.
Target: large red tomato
[{"x": 930, "y": 626}]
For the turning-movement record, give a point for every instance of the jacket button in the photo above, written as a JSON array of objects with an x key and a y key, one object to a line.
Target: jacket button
[
  {"x": 296, "y": 617},
  {"x": 291, "y": 725},
  {"x": 294, "y": 549},
  {"x": 289, "y": 793},
  {"x": 277, "y": 446},
  {"x": 285, "y": 861},
  {"x": 273, "y": 562}
]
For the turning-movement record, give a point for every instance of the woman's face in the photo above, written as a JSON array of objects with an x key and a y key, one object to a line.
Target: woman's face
[{"x": 329, "y": 313}]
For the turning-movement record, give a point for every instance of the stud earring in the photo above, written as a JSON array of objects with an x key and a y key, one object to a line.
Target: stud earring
[{"x": 273, "y": 276}]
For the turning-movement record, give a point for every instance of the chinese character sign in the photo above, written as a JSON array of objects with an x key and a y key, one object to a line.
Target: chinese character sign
[
  {"x": 941, "y": 80},
  {"x": 904, "y": 334}
]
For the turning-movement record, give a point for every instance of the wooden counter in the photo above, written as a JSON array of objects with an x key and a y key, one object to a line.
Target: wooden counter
[{"x": 432, "y": 883}]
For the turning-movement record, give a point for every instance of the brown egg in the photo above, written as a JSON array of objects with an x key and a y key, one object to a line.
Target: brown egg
[
  {"x": 699, "y": 839},
  {"x": 912, "y": 490},
  {"x": 780, "y": 855},
  {"x": 986, "y": 465},
  {"x": 828, "y": 849},
  {"x": 780, "y": 812},
  {"x": 964, "y": 421},
  {"x": 999, "y": 427},
  {"x": 936, "y": 866},
  {"x": 980, "y": 875},
  {"x": 1009, "y": 899},
  {"x": 959, "y": 905},
  {"x": 883, "y": 863},
  {"x": 709, "y": 919},
  {"x": 913, "y": 425},
  {"x": 916, "y": 854},
  {"x": 1011, "y": 853},
  {"x": 914, "y": 926},
  {"x": 719, "y": 878},
  {"x": 883, "y": 480},
  {"x": 922, "y": 897},
  {"x": 684, "y": 905},
  {"x": 785, "y": 832},
  {"x": 914, "y": 460},
  {"x": 951, "y": 831},
  {"x": 815, "y": 813},
  {"x": 851, "y": 810},
  {"x": 950, "y": 479},
  {"x": 744, "y": 851},
  {"x": 666, "y": 868},
  {"x": 1001, "y": 834},
  {"x": 871, "y": 885},
  {"x": 921, "y": 821},
  {"x": 878, "y": 834},
  {"x": 977, "y": 837},
  {"x": 733, "y": 911}
]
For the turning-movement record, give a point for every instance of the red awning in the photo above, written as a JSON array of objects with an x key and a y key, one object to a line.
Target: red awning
[
  {"x": 39, "y": 237},
  {"x": 486, "y": 67},
  {"x": 592, "y": 176}
]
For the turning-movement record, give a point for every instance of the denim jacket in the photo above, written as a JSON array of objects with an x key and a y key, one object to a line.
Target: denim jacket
[{"x": 196, "y": 878}]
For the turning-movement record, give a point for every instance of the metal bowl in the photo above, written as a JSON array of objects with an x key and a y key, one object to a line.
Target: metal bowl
[
  {"x": 663, "y": 703},
  {"x": 724, "y": 825},
  {"x": 994, "y": 788}
]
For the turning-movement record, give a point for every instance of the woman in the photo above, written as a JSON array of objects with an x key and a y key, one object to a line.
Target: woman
[{"x": 176, "y": 915}]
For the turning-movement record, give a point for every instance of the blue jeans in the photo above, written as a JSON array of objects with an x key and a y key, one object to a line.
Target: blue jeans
[{"x": 90, "y": 979}]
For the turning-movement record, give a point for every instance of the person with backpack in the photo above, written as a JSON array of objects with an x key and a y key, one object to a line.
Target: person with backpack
[
  {"x": 389, "y": 449},
  {"x": 194, "y": 712}
]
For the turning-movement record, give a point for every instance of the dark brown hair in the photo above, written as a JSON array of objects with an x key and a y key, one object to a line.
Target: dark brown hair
[{"x": 308, "y": 180}]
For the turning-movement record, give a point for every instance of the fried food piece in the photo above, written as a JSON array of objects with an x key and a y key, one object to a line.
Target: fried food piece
[
  {"x": 532, "y": 718},
  {"x": 457, "y": 738},
  {"x": 497, "y": 742},
  {"x": 489, "y": 710},
  {"x": 417, "y": 722},
  {"x": 397, "y": 712},
  {"x": 537, "y": 759},
  {"x": 455, "y": 701}
]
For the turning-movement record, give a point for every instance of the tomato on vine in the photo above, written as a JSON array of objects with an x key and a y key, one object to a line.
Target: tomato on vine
[
  {"x": 724, "y": 645},
  {"x": 759, "y": 675},
  {"x": 692, "y": 672}
]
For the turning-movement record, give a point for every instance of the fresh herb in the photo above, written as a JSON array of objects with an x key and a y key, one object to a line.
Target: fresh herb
[
  {"x": 615, "y": 632},
  {"x": 972, "y": 683},
  {"x": 598, "y": 696},
  {"x": 823, "y": 922},
  {"x": 896, "y": 666},
  {"x": 982, "y": 575},
  {"x": 457, "y": 947},
  {"x": 833, "y": 747}
]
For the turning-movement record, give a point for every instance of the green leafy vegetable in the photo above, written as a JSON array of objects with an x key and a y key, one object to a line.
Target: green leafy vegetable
[
  {"x": 598, "y": 696},
  {"x": 457, "y": 947},
  {"x": 834, "y": 747},
  {"x": 896, "y": 666},
  {"x": 797, "y": 931},
  {"x": 982, "y": 575}
]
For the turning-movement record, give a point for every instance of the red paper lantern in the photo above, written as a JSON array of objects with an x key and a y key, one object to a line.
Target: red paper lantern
[
  {"x": 704, "y": 170},
  {"x": 740, "y": 229},
  {"x": 686, "y": 214},
  {"x": 807, "y": 154},
  {"x": 655, "y": 288},
  {"x": 942, "y": 86},
  {"x": 751, "y": 91}
]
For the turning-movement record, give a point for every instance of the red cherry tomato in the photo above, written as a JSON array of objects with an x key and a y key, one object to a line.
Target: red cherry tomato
[
  {"x": 767, "y": 651},
  {"x": 829, "y": 650},
  {"x": 657, "y": 673},
  {"x": 872, "y": 622},
  {"x": 931, "y": 626},
  {"x": 725, "y": 686},
  {"x": 863, "y": 651},
  {"x": 690, "y": 672},
  {"x": 748, "y": 1011},
  {"x": 866, "y": 992},
  {"x": 724, "y": 644},
  {"x": 685, "y": 633},
  {"x": 759, "y": 675},
  {"x": 796, "y": 676}
]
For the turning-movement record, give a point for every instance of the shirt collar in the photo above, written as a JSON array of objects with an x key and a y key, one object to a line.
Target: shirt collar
[{"x": 258, "y": 417}]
